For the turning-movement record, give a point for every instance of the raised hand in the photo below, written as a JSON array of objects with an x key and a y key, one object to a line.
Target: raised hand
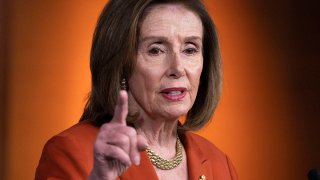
[{"x": 117, "y": 145}]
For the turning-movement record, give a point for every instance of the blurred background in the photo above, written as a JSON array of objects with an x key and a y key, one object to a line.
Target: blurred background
[{"x": 268, "y": 120}]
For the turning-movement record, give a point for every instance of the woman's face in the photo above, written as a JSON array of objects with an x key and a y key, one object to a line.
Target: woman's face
[{"x": 166, "y": 77}]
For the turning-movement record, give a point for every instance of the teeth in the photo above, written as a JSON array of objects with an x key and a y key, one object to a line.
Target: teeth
[{"x": 174, "y": 92}]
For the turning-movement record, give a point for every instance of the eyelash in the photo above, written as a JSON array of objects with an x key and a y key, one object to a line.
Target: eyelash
[
  {"x": 194, "y": 51},
  {"x": 156, "y": 51},
  {"x": 153, "y": 49}
]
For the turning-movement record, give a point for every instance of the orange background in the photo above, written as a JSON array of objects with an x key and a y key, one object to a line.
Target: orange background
[{"x": 267, "y": 121}]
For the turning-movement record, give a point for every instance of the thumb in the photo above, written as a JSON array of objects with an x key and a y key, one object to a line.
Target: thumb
[{"x": 121, "y": 109}]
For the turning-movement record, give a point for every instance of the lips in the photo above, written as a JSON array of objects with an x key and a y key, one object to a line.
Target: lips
[{"x": 174, "y": 93}]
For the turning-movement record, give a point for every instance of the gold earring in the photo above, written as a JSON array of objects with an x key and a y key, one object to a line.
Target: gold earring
[{"x": 123, "y": 84}]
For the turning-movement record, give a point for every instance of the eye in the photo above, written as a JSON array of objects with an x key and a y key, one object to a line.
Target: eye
[
  {"x": 191, "y": 51},
  {"x": 155, "y": 51}
]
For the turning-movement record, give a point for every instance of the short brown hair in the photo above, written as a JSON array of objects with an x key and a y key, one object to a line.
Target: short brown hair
[{"x": 114, "y": 51}]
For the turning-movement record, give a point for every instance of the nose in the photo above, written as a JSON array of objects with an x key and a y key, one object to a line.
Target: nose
[{"x": 176, "y": 68}]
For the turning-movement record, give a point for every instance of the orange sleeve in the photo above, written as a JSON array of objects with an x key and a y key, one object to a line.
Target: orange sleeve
[{"x": 62, "y": 159}]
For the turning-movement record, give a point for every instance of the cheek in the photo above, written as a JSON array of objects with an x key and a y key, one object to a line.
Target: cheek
[
  {"x": 195, "y": 73},
  {"x": 145, "y": 80}
]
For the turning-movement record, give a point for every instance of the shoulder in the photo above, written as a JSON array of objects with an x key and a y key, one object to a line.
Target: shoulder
[
  {"x": 76, "y": 140},
  {"x": 80, "y": 134},
  {"x": 203, "y": 145},
  {"x": 203, "y": 150},
  {"x": 80, "y": 130},
  {"x": 69, "y": 153}
]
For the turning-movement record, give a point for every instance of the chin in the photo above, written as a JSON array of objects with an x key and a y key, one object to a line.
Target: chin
[{"x": 176, "y": 112}]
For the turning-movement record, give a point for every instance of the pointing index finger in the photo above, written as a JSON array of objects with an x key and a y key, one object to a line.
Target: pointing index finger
[{"x": 121, "y": 109}]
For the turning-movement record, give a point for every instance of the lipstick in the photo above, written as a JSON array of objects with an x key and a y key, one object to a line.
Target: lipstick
[{"x": 174, "y": 93}]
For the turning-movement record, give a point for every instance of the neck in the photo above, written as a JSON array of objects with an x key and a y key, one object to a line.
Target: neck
[{"x": 161, "y": 134}]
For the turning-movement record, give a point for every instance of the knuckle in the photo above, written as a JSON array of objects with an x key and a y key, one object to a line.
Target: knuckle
[
  {"x": 99, "y": 149},
  {"x": 111, "y": 151},
  {"x": 124, "y": 140},
  {"x": 131, "y": 131},
  {"x": 105, "y": 126}
]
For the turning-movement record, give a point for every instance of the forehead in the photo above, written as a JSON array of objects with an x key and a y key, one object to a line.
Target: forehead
[{"x": 171, "y": 19}]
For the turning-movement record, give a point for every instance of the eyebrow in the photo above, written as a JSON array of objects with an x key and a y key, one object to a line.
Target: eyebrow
[
  {"x": 163, "y": 38},
  {"x": 150, "y": 38}
]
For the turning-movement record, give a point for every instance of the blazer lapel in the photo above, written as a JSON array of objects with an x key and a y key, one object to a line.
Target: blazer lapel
[{"x": 198, "y": 164}]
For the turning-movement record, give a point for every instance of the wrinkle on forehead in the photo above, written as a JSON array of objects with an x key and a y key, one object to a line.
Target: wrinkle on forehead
[{"x": 162, "y": 21}]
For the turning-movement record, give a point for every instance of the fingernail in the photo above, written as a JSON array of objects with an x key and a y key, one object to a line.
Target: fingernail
[{"x": 136, "y": 160}]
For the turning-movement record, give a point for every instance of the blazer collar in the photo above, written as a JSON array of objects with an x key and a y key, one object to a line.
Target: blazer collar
[{"x": 196, "y": 161}]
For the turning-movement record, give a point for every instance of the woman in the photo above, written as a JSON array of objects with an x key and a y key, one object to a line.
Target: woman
[{"x": 164, "y": 55}]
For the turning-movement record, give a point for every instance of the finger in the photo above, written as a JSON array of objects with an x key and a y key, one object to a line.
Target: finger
[
  {"x": 124, "y": 137},
  {"x": 116, "y": 134},
  {"x": 131, "y": 134},
  {"x": 134, "y": 152},
  {"x": 142, "y": 143},
  {"x": 120, "y": 140},
  {"x": 138, "y": 143},
  {"x": 109, "y": 152},
  {"x": 121, "y": 109}
]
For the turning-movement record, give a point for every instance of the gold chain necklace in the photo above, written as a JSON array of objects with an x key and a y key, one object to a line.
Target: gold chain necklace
[{"x": 164, "y": 164}]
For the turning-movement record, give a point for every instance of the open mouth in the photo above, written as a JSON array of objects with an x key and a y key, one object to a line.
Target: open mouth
[{"x": 174, "y": 94}]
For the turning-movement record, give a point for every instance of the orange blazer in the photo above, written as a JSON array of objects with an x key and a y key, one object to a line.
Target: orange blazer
[{"x": 69, "y": 155}]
